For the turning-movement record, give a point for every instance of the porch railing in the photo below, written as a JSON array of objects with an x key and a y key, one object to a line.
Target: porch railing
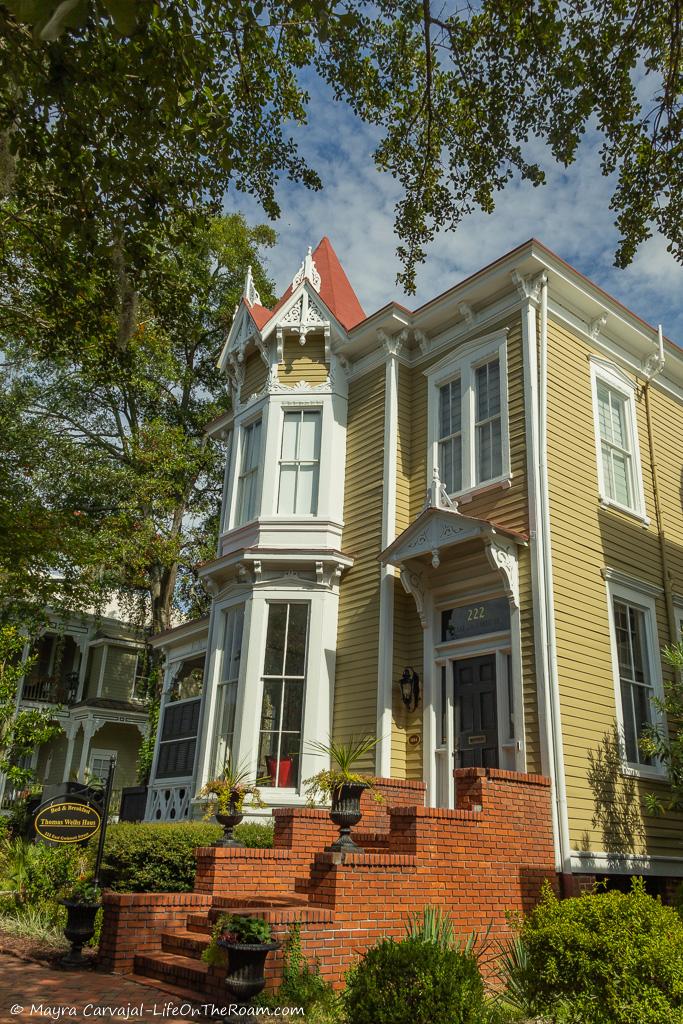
[{"x": 51, "y": 689}]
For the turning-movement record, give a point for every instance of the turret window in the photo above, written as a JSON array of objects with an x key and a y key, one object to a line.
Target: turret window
[
  {"x": 247, "y": 484},
  {"x": 299, "y": 463}
]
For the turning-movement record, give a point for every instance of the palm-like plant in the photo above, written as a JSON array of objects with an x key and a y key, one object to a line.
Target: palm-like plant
[
  {"x": 229, "y": 790},
  {"x": 343, "y": 758}
]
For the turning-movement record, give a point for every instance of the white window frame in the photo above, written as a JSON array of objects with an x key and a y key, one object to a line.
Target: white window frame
[
  {"x": 612, "y": 377},
  {"x": 464, "y": 364},
  {"x": 101, "y": 753},
  {"x": 286, "y": 410},
  {"x": 631, "y": 594},
  {"x": 222, "y": 684},
  {"x": 258, "y": 471}
]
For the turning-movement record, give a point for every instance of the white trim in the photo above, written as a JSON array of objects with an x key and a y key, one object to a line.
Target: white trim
[
  {"x": 636, "y": 596},
  {"x": 463, "y": 363},
  {"x": 385, "y": 655},
  {"x": 103, "y": 665},
  {"x": 616, "y": 380},
  {"x": 622, "y": 579},
  {"x": 624, "y": 864}
]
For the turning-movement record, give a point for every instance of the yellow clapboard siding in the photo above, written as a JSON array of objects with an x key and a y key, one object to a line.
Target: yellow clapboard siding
[
  {"x": 303, "y": 364},
  {"x": 587, "y": 537},
  {"x": 355, "y": 703},
  {"x": 255, "y": 376}
]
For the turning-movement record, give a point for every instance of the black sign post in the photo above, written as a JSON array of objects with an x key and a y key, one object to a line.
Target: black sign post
[{"x": 105, "y": 818}]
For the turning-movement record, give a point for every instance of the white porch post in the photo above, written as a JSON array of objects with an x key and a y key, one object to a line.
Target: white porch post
[
  {"x": 90, "y": 727},
  {"x": 71, "y": 730}
]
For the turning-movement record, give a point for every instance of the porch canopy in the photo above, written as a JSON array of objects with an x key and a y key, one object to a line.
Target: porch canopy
[{"x": 423, "y": 545}]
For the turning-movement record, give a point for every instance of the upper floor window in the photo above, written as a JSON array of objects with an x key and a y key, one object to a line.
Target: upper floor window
[
  {"x": 469, "y": 424},
  {"x": 247, "y": 484},
  {"x": 619, "y": 475},
  {"x": 299, "y": 463},
  {"x": 636, "y": 667}
]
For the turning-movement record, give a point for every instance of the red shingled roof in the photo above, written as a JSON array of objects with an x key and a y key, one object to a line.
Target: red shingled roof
[
  {"x": 260, "y": 314},
  {"x": 335, "y": 289}
]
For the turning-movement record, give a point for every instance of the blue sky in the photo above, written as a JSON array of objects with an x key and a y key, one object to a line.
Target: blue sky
[{"x": 570, "y": 214}]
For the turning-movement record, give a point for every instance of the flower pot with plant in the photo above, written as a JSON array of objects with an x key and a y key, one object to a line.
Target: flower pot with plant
[
  {"x": 227, "y": 794},
  {"x": 343, "y": 786},
  {"x": 246, "y": 943},
  {"x": 82, "y": 901}
]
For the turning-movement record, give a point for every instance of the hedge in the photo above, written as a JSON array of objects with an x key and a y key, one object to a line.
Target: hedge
[{"x": 160, "y": 858}]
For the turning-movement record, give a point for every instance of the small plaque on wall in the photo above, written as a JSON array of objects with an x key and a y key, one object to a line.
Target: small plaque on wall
[
  {"x": 491, "y": 616},
  {"x": 414, "y": 739}
]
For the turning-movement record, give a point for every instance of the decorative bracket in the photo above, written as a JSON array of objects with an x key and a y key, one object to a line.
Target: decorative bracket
[
  {"x": 595, "y": 326},
  {"x": 466, "y": 312},
  {"x": 502, "y": 556},
  {"x": 413, "y": 585},
  {"x": 390, "y": 343},
  {"x": 422, "y": 341},
  {"x": 529, "y": 287}
]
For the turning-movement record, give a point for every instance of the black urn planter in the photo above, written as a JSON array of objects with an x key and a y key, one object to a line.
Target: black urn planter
[
  {"x": 345, "y": 812},
  {"x": 228, "y": 821},
  {"x": 246, "y": 968},
  {"x": 79, "y": 929}
]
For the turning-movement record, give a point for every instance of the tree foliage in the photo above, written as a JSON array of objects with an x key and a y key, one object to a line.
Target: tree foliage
[
  {"x": 116, "y": 115},
  {"x": 121, "y": 457},
  {"x": 666, "y": 744},
  {"x": 22, "y": 732}
]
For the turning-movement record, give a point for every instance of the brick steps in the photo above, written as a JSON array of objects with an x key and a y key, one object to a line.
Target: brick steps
[
  {"x": 184, "y": 943},
  {"x": 188, "y": 995},
  {"x": 182, "y": 971}
]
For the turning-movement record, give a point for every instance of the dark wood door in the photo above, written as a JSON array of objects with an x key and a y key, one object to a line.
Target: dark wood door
[{"x": 476, "y": 714}]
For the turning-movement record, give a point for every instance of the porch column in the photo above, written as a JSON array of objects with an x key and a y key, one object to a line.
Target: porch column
[{"x": 90, "y": 727}]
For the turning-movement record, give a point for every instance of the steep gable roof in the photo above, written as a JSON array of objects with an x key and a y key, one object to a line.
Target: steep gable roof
[{"x": 335, "y": 287}]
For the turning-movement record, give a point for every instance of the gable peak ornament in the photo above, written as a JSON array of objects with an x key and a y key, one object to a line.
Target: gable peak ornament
[
  {"x": 437, "y": 495},
  {"x": 308, "y": 271},
  {"x": 250, "y": 293}
]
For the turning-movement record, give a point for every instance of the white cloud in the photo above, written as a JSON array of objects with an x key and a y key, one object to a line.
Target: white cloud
[{"x": 570, "y": 214}]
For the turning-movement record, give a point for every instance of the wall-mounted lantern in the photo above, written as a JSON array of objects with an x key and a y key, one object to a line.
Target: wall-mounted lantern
[{"x": 410, "y": 688}]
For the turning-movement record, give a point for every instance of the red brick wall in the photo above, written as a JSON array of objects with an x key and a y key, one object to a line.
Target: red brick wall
[{"x": 485, "y": 858}]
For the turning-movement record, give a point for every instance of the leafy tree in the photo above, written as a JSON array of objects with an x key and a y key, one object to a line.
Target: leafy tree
[
  {"x": 122, "y": 451},
  {"x": 116, "y": 115},
  {"x": 667, "y": 746},
  {"x": 22, "y": 732}
]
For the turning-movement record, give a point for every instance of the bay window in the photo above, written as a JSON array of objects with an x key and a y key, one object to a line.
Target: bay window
[
  {"x": 299, "y": 462},
  {"x": 284, "y": 675},
  {"x": 247, "y": 483},
  {"x": 226, "y": 696}
]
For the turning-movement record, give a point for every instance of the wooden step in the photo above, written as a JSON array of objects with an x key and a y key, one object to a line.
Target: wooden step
[
  {"x": 184, "y": 942},
  {"x": 182, "y": 971}
]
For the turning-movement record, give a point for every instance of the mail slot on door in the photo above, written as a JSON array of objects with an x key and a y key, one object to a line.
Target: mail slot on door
[{"x": 476, "y": 741}]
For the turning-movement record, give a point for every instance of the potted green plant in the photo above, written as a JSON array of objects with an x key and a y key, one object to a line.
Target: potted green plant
[
  {"x": 227, "y": 794},
  {"x": 246, "y": 943},
  {"x": 343, "y": 786},
  {"x": 82, "y": 901}
]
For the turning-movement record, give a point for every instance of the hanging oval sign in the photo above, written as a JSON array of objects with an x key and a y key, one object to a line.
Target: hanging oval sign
[{"x": 61, "y": 820}]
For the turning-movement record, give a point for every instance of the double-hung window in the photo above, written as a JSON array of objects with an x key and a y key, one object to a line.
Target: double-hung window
[
  {"x": 616, "y": 437},
  {"x": 282, "y": 708},
  {"x": 299, "y": 462},
  {"x": 636, "y": 668},
  {"x": 226, "y": 698},
  {"x": 247, "y": 484},
  {"x": 468, "y": 417}
]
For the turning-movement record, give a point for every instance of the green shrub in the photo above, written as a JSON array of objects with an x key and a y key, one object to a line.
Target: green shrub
[
  {"x": 154, "y": 858},
  {"x": 615, "y": 958},
  {"x": 160, "y": 858},
  {"x": 417, "y": 981},
  {"x": 252, "y": 833}
]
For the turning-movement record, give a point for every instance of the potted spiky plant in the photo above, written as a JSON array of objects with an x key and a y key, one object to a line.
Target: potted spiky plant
[
  {"x": 82, "y": 901},
  {"x": 227, "y": 794},
  {"x": 245, "y": 942},
  {"x": 343, "y": 786}
]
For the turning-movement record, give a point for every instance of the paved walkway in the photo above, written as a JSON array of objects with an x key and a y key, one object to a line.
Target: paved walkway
[{"x": 37, "y": 991}]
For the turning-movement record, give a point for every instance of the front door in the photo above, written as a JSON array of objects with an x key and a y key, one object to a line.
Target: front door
[{"x": 475, "y": 709}]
